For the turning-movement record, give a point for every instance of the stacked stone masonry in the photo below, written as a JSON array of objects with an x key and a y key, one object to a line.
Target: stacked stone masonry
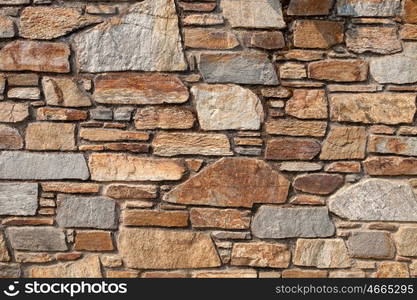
[{"x": 208, "y": 138}]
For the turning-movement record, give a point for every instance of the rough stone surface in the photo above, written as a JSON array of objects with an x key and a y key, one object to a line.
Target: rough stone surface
[
  {"x": 234, "y": 182},
  {"x": 375, "y": 200},
  {"x": 392, "y": 270},
  {"x": 10, "y": 138},
  {"x": 94, "y": 212},
  {"x": 13, "y": 112},
  {"x": 222, "y": 107},
  {"x": 128, "y": 191},
  {"x": 139, "y": 89},
  {"x": 50, "y": 136},
  {"x": 35, "y": 56},
  {"x": 33, "y": 166},
  {"x": 322, "y": 184},
  {"x": 390, "y": 165},
  {"x": 253, "y": 14},
  {"x": 277, "y": 223},
  {"x": 7, "y": 27},
  {"x": 209, "y": 38},
  {"x": 393, "y": 145},
  {"x": 219, "y": 218},
  {"x": 88, "y": 267},
  {"x": 19, "y": 199},
  {"x": 153, "y": 44},
  {"x": 45, "y": 23},
  {"x": 317, "y": 33},
  {"x": 339, "y": 70},
  {"x": 344, "y": 143},
  {"x": 260, "y": 254},
  {"x": 162, "y": 249},
  {"x": 296, "y": 127},
  {"x": 4, "y": 253},
  {"x": 307, "y": 104},
  {"x": 309, "y": 7},
  {"x": 164, "y": 117},
  {"x": 321, "y": 253},
  {"x": 64, "y": 91},
  {"x": 368, "y": 8},
  {"x": 37, "y": 238},
  {"x": 406, "y": 241},
  {"x": 410, "y": 11},
  {"x": 121, "y": 167},
  {"x": 375, "y": 39},
  {"x": 176, "y": 143},
  {"x": 247, "y": 68},
  {"x": 371, "y": 244},
  {"x": 292, "y": 149},
  {"x": 371, "y": 108}
]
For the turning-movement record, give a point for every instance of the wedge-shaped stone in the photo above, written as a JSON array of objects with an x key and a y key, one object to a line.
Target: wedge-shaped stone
[
  {"x": 139, "y": 89},
  {"x": 35, "y": 56},
  {"x": 166, "y": 249},
  {"x": 393, "y": 145},
  {"x": 253, "y": 14},
  {"x": 371, "y": 108},
  {"x": 321, "y": 253},
  {"x": 375, "y": 200},
  {"x": 92, "y": 212},
  {"x": 261, "y": 254},
  {"x": 368, "y": 8},
  {"x": 4, "y": 252},
  {"x": 251, "y": 67},
  {"x": 32, "y": 166},
  {"x": 234, "y": 182},
  {"x": 177, "y": 143},
  {"x": 88, "y": 267},
  {"x": 64, "y": 91},
  {"x": 121, "y": 167},
  {"x": 271, "y": 222},
  {"x": 19, "y": 199},
  {"x": 153, "y": 43},
  {"x": 222, "y": 107},
  {"x": 399, "y": 68},
  {"x": 37, "y": 238},
  {"x": 45, "y": 23}
]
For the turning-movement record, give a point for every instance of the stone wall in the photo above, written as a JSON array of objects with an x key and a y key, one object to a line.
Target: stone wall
[{"x": 208, "y": 138}]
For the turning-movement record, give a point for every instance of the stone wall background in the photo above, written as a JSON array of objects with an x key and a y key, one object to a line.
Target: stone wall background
[{"x": 210, "y": 138}]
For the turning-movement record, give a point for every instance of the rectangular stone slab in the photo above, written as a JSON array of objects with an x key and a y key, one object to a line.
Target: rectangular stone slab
[{"x": 20, "y": 199}]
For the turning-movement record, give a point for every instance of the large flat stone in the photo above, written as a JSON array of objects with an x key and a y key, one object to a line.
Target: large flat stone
[
  {"x": 260, "y": 254},
  {"x": 35, "y": 56},
  {"x": 64, "y": 91},
  {"x": 238, "y": 67},
  {"x": 371, "y": 244},
  {"x": 344, "y": 142},
  {"x": 122, "y": 167},
  {"x": 272, "y": 222},
  {"x": 88, "y": 267},
  {"x": 94, "y": 212},
  {"x": 32, "y": 166},
  {"x": 393, "y": 145},
  {"x": 253, "y": 14},
  {"x": 399, "y": 68},
  {"x": 153, "y": 43},
  {"x": 146, "y": 248},
  {"x": 375, "y": 200},
  {"x": 222, "y": 107},
  {"x": 37, "y": 238},
  {"x": 139, "y": 89},
  {"x": 390, "y": 165},
  {"x": 368, "y": 8},
  {"x": 371, "y": 108},
  {"x": 20, "y": 199},
  {"x": 234, "y": 182}
]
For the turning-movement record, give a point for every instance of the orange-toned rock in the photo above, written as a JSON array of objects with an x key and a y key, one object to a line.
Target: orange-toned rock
[
  {"x": 391, "y": 269},
  {"x": 408, "y": 32},
  {"x": 317, "y": 33},
  {"x": 308, "y": 200},
  {"x": 122, "y": 274},
  {"x": 339, "y": 70},
  {"x": 410, "y": 11},
  {"x": 60, "y": 114},
  {"x": 35, "y": 56},
  {"x": 264, "y": 39},
  {"x": 390, "y": 165},
  {"x": 23, "y": 221},
  {"x": 393, "y": 145},
  {"x": 191, "y": 6},
  {"x": 303, "y": 273},
  {"x": 40, "y": 257},
  {"x": 131, "y": 147},
  {"x": 307, "y": 104},
  {"x": 64, "y": 91},
  {"x": 93, "y": 241},
  {"x": 122, "y": 167},
  {"x": 209, "y": 38},
  {"x": 172, "y": 117},
  {"x": 13, "y": 112},
  {"x": 344, "y": 142},
  {"x": 147, "y": 248},
  {"x": 164, "y": 274},
  {"x": 261, "y": 254},
  {"x": 102, "y": 135},
  {"x": 309, "y": 7},
  {"x": 296, "y": 127},
  {"x": 219, "y": 218},
  {"x": 139, "y": 89},
  {"x": 140, "y": 217},
  {"x": 321, "y": 184},
  {"x": 70, "y": 187},
  {"x": 344, "y": 167},
  {"x": 50, "y": 136},
  {"x": 228, "y": 273},
  {"x": 292, "y": 149},
  {"x": 234, "y": 182},
  {"x": 129, "y": 191}
]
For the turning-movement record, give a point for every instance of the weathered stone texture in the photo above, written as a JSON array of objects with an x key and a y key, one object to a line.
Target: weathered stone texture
[
  {"x": 37, "y": 238},
  {"x": 19, "y": 199}
]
